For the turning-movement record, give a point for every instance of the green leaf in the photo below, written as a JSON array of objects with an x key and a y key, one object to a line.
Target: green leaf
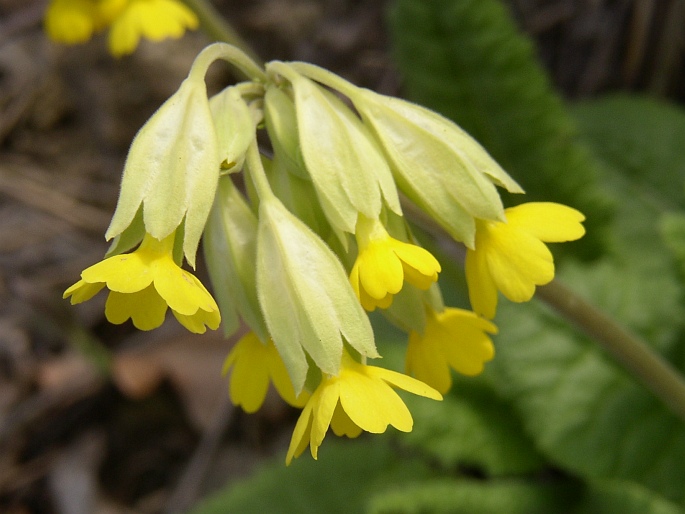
[
  {"x": 673, "y": 231},
  {"x": 466, "y": 497},
  {"x": 340, "y": 482},
  {"x": 643, "y": 138},
  {"x": 623, "y": 497},
  {"x": 584, "y": 412},
  {"x": 473, "y": 427},
  {"x": 467, "y": 60},
  {"x": 518, "y": 497}
]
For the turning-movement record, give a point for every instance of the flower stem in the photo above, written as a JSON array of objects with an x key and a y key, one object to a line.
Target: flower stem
[
  {"x": 216, "y": 27},
  {"x": 229, "y": 53},
  {"x": 253, "y": 162},
  {"x": 662, "y": 379}
]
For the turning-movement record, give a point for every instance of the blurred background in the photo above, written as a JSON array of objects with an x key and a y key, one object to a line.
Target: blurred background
[{"x": 103, "y": 418}]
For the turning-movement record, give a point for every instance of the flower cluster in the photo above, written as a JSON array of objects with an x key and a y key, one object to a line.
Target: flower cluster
[
  {"x": 316, "y": 239},
  {"x": 75, "y": 21}
]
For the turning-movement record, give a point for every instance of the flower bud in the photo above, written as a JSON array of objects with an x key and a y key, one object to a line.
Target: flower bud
[{"x": 234, "y": 125}]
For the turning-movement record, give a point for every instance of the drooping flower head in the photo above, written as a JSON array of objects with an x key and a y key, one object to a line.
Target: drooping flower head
[
  {"x": 143, "y": 284},
  {"x": 253, "y": 365},
  {"x": 384, "y": 264},
  {"x": 511, "y": 256},
  {"x": 359, "y": 398},
  {"x": 453, "y": 339}
]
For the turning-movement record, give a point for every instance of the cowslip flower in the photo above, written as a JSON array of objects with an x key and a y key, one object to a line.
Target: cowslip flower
[
  {"x": 155, "y": 20},
  {"x": 143, "y": 284},
  {"x": 511, "y": 256},
  {"x": 359, "y": 398},
  {"x": 75, "y": 21},
  {"x": 454, "y": 338},
  {"x": 72, "y": 21},
  {"x": 253, "y": 365},
  {"x": 384, "y": 264}
]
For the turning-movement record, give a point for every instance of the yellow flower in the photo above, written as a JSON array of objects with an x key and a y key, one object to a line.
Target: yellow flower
[
  {"x": 453, "y": 338},
  {"x": 143, "y": 284},
  {"x": 75, "y": 21},
  {"x": 255, "y": 364},
  {"x": 384, "y": 263},
  {"x": 72, "y": 21},
  {"x": 153, "y": 19},
  {"x": 511, "y": 256},
  {"x": 359, "y": 398}
]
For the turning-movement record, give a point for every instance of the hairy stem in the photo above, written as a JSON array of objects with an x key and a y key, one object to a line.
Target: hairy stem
[{"x": 634, "y": 354}]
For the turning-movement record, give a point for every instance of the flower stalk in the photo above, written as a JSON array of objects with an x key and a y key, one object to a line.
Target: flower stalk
[{"x": 634, "y": 354}]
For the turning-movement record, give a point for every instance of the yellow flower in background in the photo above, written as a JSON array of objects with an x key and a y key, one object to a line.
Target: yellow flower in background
[
  {"x": 253, "y": 366},
  {"x": 453, "y": 338},
  {"x": 75, "y": 21},
  {"x": 511, "y": 256},
  {"x": 143, "y": 284},
  {"x": 384, "y": 264},
  {"x": 72, "y": 21},
  {"x": 152, "y": 19},
  {"x": 359, "y": 398}
]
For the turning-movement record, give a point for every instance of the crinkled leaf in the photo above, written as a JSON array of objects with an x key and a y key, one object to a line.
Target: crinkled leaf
[{"x": 346, "y": 475}]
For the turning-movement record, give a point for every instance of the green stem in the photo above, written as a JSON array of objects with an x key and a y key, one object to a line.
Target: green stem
[
  {"x": 628, "y": 349},
  {"x": 216, "y": 27},
  {"x": 230, "y": 54}
]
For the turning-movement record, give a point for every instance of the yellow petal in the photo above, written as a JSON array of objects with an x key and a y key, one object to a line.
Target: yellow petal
[
  {"x": 380, "y": 271},
  {"x": 403, "y": 382},
  {"x": 82, "y": 291},
  {"x": 146, "y": 308},
  {"x": 482, "y": 289},
  {"x": 323, "y": 413},
  {"x": 416, "y": 257},
  {"x": 249, "y": 383},
  {"x": 426, "y": 363},
  {"x": 180, "y": 289},
  {"x": 549, "y": 222},
  {"x": 470, "y": 347},
  {"x": 126, "y": 273},
  {"x": 518, "y": 262},
  {"x": 70, "y": 21},
  {"x": 342, "y": 425},
  {"x": 300, "y": 437},
  {"x": 198, "y": 322}
]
